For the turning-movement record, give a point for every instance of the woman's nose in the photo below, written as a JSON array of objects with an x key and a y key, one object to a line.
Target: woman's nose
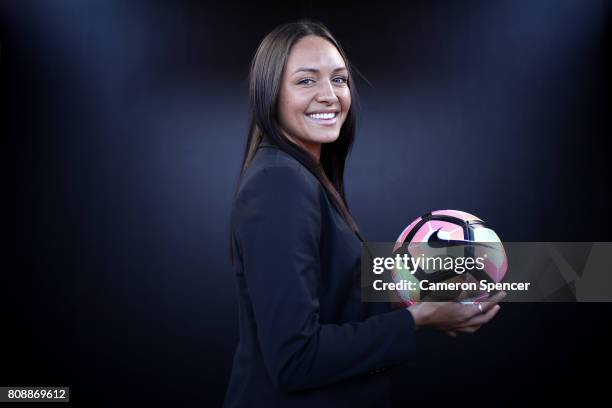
[{"x": 326, "y": 93}]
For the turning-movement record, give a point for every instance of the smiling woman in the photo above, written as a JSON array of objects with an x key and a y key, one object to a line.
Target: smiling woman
[
  {"x": 299, "y": 75},
  {"x": 315, "y": 97},
  {"x": 306, "y": 339}
]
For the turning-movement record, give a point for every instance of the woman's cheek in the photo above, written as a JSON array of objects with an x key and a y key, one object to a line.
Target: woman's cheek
[{"x": 345, "y": 101}]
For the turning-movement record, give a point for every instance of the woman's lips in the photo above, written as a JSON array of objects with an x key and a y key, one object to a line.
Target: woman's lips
[{"x": 323, "y": 118}]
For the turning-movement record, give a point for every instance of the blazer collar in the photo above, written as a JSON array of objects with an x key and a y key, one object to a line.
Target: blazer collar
[{"x": 265, "y": 143}]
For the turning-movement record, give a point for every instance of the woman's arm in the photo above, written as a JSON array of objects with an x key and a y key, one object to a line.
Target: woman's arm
[{"x": 277, "y": 225}]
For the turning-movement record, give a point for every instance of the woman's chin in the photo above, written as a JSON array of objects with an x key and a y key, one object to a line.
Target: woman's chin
[{"x": 329, "y": 137}]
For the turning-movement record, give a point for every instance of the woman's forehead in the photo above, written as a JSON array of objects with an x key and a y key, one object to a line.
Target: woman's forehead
[{"x": 312, "y": 52}]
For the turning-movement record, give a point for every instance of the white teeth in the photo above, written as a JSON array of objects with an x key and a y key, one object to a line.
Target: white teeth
[{"x": 330, "y": 115}]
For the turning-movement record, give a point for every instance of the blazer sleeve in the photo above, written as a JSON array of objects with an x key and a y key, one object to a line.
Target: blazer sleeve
[{"x": 277, "y": 227}]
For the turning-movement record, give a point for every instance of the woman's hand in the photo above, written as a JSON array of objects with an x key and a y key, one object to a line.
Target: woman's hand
[{"x": 453, "y": 317}]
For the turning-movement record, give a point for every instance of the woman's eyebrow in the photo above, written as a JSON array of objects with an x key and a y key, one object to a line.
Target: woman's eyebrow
[{"x": 315, "y": 70}]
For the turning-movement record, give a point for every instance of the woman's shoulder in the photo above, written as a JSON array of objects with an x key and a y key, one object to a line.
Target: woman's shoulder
[
  {"x": 274, "y": 168},
  {"x": 276, "y": 188}
]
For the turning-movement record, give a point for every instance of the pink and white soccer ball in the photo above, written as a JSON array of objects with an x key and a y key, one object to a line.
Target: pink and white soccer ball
[{"x": 448, "y": 228}]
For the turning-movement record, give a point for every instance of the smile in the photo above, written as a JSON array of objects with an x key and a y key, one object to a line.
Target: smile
[{"x": 324, "y": 118}]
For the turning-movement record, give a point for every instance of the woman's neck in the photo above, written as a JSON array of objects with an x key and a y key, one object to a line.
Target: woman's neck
[{"x": 312, "y": 148}]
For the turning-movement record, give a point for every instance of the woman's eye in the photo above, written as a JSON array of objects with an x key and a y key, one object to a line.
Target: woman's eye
[
  {"x": 340, "y": 80},
  {"x": 306, "y": 81}
]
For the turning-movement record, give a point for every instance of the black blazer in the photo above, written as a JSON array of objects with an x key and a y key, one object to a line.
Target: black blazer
[{"x": 306, "y": 339}]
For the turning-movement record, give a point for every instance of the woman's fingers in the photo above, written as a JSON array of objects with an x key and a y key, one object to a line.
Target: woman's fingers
[
  {"x": 493, "y": 300},
  {"x": 481, "y": 308},
  {"x": 484, "y": 312},
  {"x": 468, "y": 329},
  {"x": 450, "y": 316},
  {"x": 480, "y": 318}
]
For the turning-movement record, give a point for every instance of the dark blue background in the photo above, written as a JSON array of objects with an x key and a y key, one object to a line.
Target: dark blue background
[{"x": 123, "y": 127}]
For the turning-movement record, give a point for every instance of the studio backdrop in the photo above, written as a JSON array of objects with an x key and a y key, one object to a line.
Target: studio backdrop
[{"x": 123, "y": 127}]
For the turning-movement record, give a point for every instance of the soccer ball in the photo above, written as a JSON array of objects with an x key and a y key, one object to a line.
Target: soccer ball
[{"x": 450, "y": 254}]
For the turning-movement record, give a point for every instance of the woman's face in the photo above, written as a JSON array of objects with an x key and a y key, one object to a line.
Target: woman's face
[{"x": 314, "y": 98}]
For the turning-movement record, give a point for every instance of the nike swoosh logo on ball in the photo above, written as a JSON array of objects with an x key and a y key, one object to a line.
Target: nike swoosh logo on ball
[{"x": 435, "y": 241}]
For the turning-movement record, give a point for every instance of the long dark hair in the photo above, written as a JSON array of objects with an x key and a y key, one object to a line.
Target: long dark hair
[{"x": 265, "y": 78}]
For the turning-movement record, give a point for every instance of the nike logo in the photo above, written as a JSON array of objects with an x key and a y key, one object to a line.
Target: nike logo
[{"x": 435, "y": 241}]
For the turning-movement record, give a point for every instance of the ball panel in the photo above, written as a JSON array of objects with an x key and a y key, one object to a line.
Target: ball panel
[
  {"x": 450, "y": 225},
  {"x": 463, "y": 216},
  {"x": 445, "y": 228}
]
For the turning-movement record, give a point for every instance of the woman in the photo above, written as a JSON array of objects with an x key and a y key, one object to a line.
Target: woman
[{"x": 306, "y": 339}]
